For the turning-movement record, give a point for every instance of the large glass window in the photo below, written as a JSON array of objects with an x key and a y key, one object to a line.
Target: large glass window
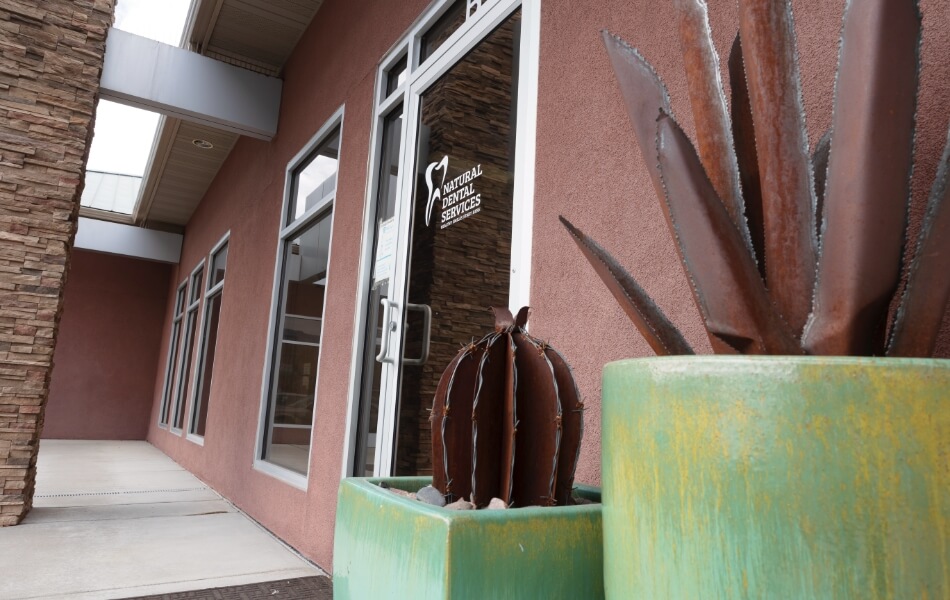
[
  {"x": 209, "y": 339},
  {"x": 305, "y": 252},
  {"x": 187, "y": 347},
  {"x": 171, "y": 366}
]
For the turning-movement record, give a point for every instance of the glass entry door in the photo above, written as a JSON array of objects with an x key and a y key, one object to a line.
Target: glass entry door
[{"x": 452, "y": 248}]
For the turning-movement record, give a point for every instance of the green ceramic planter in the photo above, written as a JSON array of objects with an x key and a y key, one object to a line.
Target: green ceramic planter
[
  {"x": 776, "y": 477},
  {"x": 386, "y": 546}
]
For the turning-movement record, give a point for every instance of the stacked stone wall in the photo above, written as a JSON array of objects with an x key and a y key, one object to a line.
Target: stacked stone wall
[{"x": 51, "y": 54}]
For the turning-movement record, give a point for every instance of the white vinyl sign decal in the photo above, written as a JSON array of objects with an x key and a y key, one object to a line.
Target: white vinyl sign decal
[{"x": 457, "y": 197}]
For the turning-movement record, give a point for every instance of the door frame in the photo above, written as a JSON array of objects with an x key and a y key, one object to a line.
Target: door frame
[{"x": 408, "y": 94}]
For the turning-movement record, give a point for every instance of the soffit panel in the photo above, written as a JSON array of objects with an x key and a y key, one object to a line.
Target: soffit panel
[
  {"x": 261, "y": 30},
  {"x": 259, "y": 35},
  {"x": 189, "y": 172}
]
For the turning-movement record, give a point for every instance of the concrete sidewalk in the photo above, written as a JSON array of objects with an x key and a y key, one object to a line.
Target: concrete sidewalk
[{"x": 121, "y": 519}]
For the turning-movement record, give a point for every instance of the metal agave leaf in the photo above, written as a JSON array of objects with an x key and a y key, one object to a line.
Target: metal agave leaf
[
  {"x": 713, "y": 131},
  {"x": 928, "y": 282},
  {"x": 852, "y": 192},
  {"x": 644, "y": 95},
  {"x": 507, "y": 420},
  {"x": 726, "y": 284},
  {"x": 743, "y": 133},
  {"x": 656, "y": 328},
  {"x": 771, "y": 67},
  {"x": 868, "y": 168}
]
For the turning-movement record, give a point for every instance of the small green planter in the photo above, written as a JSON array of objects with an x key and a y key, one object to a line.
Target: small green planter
[
  {"x": 387, "y": 546},
  {"x": 776, "y": 477}
]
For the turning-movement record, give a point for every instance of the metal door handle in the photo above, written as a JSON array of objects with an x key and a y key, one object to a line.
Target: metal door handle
[
  {"x": 426, "y": 334},
  {"x": 389, "y": 326}
]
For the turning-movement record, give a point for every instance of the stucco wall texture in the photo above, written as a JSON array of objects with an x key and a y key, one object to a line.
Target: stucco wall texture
[
  {"x": 588, "y": 169},
  {"x": 107, "y": 348}
]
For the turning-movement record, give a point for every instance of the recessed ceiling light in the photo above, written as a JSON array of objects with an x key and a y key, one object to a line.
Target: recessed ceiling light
[{"x": 203, "y": 144}]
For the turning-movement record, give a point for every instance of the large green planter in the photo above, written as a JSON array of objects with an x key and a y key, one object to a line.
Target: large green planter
[
  {"x": 386, "y": 546},
  {"x": 776, "y": 477}
]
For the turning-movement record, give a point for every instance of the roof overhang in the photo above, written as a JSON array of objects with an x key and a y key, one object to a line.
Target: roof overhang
[
  {"x": 254, "y": 38},
  {"x": 126, "y": 240},
  {"x": 178, "y": 83}
]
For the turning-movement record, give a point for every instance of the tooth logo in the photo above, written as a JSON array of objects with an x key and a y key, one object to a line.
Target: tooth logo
[{"x": 435, "y": 191}]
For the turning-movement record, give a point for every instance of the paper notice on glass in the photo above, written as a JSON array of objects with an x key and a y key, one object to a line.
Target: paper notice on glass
[{"x": 385, "y": 246}]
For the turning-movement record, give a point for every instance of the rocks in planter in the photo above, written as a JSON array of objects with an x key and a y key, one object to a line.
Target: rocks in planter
[
  {"x": 402, "y": 493},
  {"x": 460, "y": 504},
  {"x": 430, "y": 495}
]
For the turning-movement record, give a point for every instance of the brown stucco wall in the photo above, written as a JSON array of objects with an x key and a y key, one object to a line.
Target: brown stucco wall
[
  {"x": 590, "y": 170},
  {"x": 107, "y": 348},
  {"x": 587, "y": 168}
]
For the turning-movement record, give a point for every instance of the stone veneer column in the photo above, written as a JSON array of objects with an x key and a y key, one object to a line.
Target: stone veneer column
[{"x": 51, "y": 54}]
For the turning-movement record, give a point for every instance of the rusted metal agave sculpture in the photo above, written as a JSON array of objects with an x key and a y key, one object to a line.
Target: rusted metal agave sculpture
[
  {"x": 744, "y": 210},
  {"x": 507, "y": 421}
]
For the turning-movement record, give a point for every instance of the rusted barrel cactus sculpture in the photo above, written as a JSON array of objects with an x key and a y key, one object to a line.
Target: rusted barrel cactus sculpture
[
  {"x": 507, "y": 421},
  {"x": 786, "y": 252}
]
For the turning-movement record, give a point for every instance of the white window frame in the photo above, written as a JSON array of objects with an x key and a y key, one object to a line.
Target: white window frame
[
  {"x": 210, "y": 291},
  {"x": 181, "y": 395},
  {"x": 168, "y": 384},
  {"x": 286, "y": 233},
  {"x": 470, "y": 34}
]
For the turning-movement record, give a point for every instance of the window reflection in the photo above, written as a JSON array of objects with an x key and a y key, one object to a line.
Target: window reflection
[
  {"x": 218, "y": 264},
  {"x": 187, "y": 350},
  {"x": 171, "y": 368},
  {"x": 315, "y": 179},
  {"x": 396, "y": 76},
  {"x": 209, "y": 342},
  {"x": 290, "y": 415},
  {"x": 443, "y": 29}
]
